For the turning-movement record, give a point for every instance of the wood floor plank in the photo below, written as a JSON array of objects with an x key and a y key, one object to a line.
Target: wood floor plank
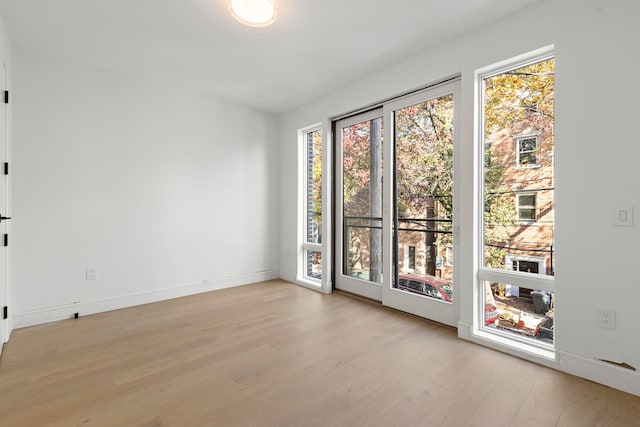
[{"x": 276, "y": 354}]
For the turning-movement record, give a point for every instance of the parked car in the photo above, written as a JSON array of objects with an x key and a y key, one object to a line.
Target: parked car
[
  {"x": 430, "y": 286},
  {"x": 435, "y": 287}
]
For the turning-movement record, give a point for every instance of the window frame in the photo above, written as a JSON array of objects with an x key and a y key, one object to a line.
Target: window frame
[
  {"x": 533, "y": 207},
  {"x": 306, "y": 248},
  {"x": 542, "y": 266},
  {"x": 520, "y": 138},
  {"x": 488, "y": 274}
]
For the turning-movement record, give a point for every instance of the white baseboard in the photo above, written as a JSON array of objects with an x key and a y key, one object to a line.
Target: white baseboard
[
  {"x": 580, "y": 366},
  {"x": 52, "y": 314},
  {"x": 288, "y": 276},
  {"x": 10, "y": 327},
  {"x": 600, "y": 372}
]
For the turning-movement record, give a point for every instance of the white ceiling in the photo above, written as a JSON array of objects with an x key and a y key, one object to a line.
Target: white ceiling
[{"x": 314, "y": 47}]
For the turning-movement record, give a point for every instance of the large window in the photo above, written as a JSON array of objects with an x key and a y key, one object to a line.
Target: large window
[
  {"x": 517, "y": 252},
  {"x": 312, "y": 204}
]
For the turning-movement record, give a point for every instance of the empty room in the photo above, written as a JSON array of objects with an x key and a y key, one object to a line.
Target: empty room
[{"x": 319, "y": 213}]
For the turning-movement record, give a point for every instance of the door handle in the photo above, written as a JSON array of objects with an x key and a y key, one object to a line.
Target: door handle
[{"x": 4, "y": 217}]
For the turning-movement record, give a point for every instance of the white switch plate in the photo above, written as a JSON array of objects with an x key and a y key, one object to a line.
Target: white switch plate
[
  {"x": 623, "y": 216},
  {"x": 91, "y": 273}
]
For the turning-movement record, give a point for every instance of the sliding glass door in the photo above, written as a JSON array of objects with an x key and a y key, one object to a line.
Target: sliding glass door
[{"x": 395, "y": 204}]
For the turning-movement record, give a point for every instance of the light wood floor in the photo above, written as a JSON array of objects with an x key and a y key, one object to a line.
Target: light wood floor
[{"x": 275, "y": 354}]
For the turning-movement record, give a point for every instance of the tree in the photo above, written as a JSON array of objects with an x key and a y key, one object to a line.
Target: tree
[
  {"x": 375, "y": 200},
  {"x": 424, "y": 173},
  {"x": 424, "y": 180},
  {"x": 362, "y": 197},
  {"x": 510, "y": 96},
  {"x": 315, "y": 185},
  {"x": 499, "y": 212}
]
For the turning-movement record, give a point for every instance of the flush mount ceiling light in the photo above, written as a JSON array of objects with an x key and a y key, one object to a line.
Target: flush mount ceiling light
[{"x": 257, "y": 13}]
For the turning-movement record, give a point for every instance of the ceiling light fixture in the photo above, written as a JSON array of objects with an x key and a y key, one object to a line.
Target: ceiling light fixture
[{"x": 257, "y": 13}]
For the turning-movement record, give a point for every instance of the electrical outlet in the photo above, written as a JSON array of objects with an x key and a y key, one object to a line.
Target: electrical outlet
[
  {"x": 607, "y": 319},
  {"x": 91, "y": 273}
]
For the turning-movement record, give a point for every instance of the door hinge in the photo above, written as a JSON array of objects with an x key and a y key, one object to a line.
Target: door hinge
[
  {"x": 5, "y": 314},
  {"x": 6, "y": 168},
  {"x": 6, "y": 96},
  {"x": 6, "y": 240}
]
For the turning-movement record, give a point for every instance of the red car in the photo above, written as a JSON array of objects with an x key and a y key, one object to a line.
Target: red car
[{"x": 430, "y": 286}]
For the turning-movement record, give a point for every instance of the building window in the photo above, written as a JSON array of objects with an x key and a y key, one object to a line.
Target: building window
[
  {"x": 527, "y": 151},
  {"x": 526, "y": 264},
  {"x": 311, "y": 250},
  {"x": 526, "y": 205},
  {"x": 412, "y": 257}
]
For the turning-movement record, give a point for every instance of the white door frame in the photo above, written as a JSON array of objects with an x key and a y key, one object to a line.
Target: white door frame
[
  {"x": 440, "y": 311},
  {"x": 354, "y": 285}
]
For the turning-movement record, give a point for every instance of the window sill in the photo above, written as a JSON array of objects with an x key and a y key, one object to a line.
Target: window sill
[
  {"x": 541, "y": 354},
  {"x": 309, "y": 283}
]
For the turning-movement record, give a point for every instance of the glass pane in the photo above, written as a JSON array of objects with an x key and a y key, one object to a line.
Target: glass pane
[
  {"x": 528, "y": 144},
  {"x": 518, "y": 311},
  {"x": 528, "y": 158},
  {"x": 424, "y": 196},
  {"x": 362, "y": 261},
  {"x": 362, "y": 200},
  {"x": 314, "y": 187},
  {"x": 527, "y": 200},
  {"x": 509, "y": 232},
  {"x": 527, "y": 214},
  {"x": 314, "y": 264}
]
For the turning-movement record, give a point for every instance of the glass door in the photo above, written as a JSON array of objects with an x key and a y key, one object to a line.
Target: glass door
[
  {"x": 421, "y": 134},
  {"x": 394, "y": 204},
  {"x": 359, "y": 167}
]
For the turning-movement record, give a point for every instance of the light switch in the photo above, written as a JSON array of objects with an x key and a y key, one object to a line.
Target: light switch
[
  {"x": 91, "y": 273},
  {"x": 623, "y": 216}
]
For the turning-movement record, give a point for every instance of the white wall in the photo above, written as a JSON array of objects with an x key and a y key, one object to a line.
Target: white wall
[
  {"x": 597, "y": 153},
  {"x": 165, "y": 192},
  {"x": 596, "y": 166}
]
